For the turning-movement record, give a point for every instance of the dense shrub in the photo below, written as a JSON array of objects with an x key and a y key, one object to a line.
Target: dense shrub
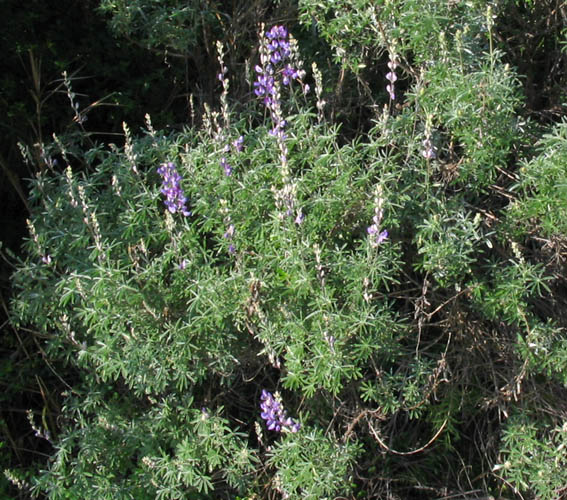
[{"x": 390, "y": 291}]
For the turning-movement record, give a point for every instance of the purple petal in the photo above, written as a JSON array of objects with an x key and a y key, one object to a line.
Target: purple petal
[{"x": 381, "y": 237}]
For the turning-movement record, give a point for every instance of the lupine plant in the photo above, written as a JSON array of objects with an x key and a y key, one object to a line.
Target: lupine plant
[{"x": 263, "y": 308}]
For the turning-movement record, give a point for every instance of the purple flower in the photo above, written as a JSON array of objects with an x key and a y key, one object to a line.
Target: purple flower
[
  {"x": 239, "y": 144},
  {"x": 265, "y": 86},
  {"x": 277, "y": 32},
  {"x": 227, "y": 167},
  {"x": 289, "y": 74},
  {"x": 171, "y": 188},
  {"x": 275, "y": 57},
  {"x": 381, "y": 237},
  {"x": 272, "y": 73},
  {"x": 279, "y": 130},
  {"x": 228, "y": 235},
  {"x": 229, "y": 232},
  {"x": 374, "y": 230},
  {"x": 278, "y": 45},
  {"x": 275, "y": 416},
  {"x": 429, "y": 151},
  {"x": 278, "y": 51}
]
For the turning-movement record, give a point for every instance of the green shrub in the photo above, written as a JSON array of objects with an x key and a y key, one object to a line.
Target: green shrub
[
  {"x": 542, "y": 203},
  {"x": 533, "y": 457},
  {"x": 371, "y": 282}
]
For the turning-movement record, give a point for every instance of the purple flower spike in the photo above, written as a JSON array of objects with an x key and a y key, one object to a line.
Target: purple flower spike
[
  {"x": 278, "y": 45},
  {"x": 391, "y": 76},
  {"x": 275, "y": 416},
  {"x": 278, "y": 51},
  {"x": 171, "y": 188}
]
